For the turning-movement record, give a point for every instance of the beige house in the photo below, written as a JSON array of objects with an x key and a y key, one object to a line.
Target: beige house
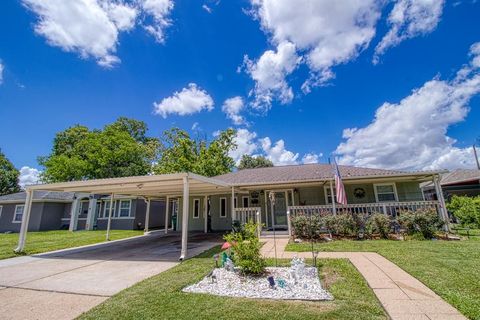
[{"x": 204, "y": 204}]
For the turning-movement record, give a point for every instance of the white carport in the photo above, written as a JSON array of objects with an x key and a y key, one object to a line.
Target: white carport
[{"x": 181, "y": 185}]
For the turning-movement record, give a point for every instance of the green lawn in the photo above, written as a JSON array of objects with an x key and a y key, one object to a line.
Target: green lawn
[
  {"x": 44, "y": 241},
  {"x": 160, "y": 297},
  {"x": 450, "y": 268}
]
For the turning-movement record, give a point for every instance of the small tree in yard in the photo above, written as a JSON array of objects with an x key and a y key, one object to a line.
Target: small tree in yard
[
  {"x": 466, "y": 209},
  {"x": 246, "y": 247}
]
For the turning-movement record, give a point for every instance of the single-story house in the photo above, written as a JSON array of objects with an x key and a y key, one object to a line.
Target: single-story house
[
  {"x": 213, "y": 203},
  {"x": 460, "y": 182},
  {"x": 52, "y": 210}
]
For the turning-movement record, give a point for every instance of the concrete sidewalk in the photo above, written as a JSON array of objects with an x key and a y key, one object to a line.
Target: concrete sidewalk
[
  {"x": 401, "y": 295},
  {"x": 64, "y": 284}
]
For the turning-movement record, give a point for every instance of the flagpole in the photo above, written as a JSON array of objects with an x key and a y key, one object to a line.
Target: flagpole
[{"x": 332, "y": 192}]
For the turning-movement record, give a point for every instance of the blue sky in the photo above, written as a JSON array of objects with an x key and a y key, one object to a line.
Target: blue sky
[{"x": 299, "y": 76}]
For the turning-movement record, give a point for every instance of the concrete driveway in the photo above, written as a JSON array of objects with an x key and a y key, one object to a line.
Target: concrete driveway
[{"x": 64, "y": 284}]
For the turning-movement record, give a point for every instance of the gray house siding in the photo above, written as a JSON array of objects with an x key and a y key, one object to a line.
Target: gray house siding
[
  {"x": 8, "y": 210},
  {"x": 52, "y": 214}
]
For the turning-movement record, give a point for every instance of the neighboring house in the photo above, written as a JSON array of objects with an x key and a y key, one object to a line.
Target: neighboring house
[
  {"x": 212, "y": 204},
  {"x": 460, "y": 182},
  {"x": 52, "y": 211},
  {"x": 48, "y": 209}
]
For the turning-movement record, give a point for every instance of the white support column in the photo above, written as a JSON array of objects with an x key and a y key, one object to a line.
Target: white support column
[
  {"x": 441, "y": 202},
  {"x": 74, "y": 214},
  {"x": 232, "y": 205},
  {"x": 266, "y": 209},
  {"x": 205, "y": 214},
  {"x": 92, "y": 208},
  {"x": 147, "y": 215},
  {"x": 27, "y": 209},
  {"x": 332, "y": 194},
  {"x": 110, "y": 212},
  {"x": 185, "y": 216},
  {"x": 167, "y": 211}
]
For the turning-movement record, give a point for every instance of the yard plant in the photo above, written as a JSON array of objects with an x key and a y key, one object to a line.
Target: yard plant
[
  {"x": 421, "y": 223},
  {"x": 466, "y": 210},
  {"x": 246, "y": 247}
]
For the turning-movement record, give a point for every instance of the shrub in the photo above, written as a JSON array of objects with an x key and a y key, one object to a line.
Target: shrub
[
  {"x": 346, "y": 224},
  {"x": 466, "y": 209},
  {"x": 306, "y": 226},
  {"x": 425, "y": 222},
  {"x": 379, "y": 223},
  {"x": 246, "y": 247}
]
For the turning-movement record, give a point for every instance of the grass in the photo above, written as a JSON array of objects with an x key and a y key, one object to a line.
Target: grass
[
  {"x": 160, "y": 297},
  {"x": 450, "y": 268},
  {"x": 45, "y": 241}
]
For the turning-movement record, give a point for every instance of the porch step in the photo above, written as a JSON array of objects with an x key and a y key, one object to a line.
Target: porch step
[{"x": 278, "y": 234}]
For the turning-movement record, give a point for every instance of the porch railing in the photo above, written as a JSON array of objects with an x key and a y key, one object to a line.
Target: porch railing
[
  {"x": 389, "y": 208},
  {"x": 244, "y": 215}
]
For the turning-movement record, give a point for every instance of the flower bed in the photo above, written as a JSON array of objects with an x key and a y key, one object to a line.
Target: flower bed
[{"x": 232, "y": 284}]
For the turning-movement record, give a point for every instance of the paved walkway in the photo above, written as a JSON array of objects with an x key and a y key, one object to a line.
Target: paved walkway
[
  {"x": 401, "y": 295},
  {"x": 63, "y": 285}
]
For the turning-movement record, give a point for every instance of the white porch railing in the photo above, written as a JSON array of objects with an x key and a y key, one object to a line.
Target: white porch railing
[
  {"x": 244, "y": 215},
  {"x": 390, "y": 208}
]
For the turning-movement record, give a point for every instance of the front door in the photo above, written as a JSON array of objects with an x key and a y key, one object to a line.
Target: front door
[{"x": 280, "y": 210}]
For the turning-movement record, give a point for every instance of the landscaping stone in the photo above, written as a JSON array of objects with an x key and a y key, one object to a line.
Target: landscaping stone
[{"x": 233, "y": 284}]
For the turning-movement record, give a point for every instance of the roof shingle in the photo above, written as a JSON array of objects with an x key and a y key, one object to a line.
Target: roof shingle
[{"x": 305, "y": 172}]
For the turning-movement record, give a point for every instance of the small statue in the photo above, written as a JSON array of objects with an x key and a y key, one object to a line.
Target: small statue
[
  {"x": 271, "y": 281},
  {"x": 281, "y": 283},
  {"x": 224, "y": 258},
  {"x": 216, "y": 257},
  {"x": 228, "y": 265},
  {"x": 297, "y": 269}
]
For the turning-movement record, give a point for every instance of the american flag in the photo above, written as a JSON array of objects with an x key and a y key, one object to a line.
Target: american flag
[{"x": 339, "y": 188}]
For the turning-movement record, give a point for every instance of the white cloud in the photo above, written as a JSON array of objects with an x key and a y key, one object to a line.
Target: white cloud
[
  {"x": 249, "y": 143},
  {"x": 91, "y": 27},
  {"x": 195, "y": 126},
  {"x": 327, "y": 32},
  {"x": 188, "y": 101},
  {"x": 246, "y": 144},
  {"x": 83, "y": 26},
  {"x": 28, "y": 176},
  {"x": 160, "y": 11},
  {"x": 409, "y": 19},
  {"x": 311, "y": 158},
  {"x": 277, "y": 153},
  {"x": 207, "y": 8},
  {"x": 412, "y": 134},
  {"x": 232, "y": 108},
  {"x": 270, "y": 72},
  {"x": 1, "y": 71}
]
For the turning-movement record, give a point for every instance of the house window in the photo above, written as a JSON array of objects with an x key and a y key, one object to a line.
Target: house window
[
  {"x": 17, "y": 216},
  {"x": 98, "y": 209},
  {"x": 235, "y": 203},
  {"x": 385, "y": 192},
  {"x": 106, "y": 209},
  {"x": 196, "y": 208},
  {"x": 223, "y": 207},
  {"x": 1, "y": 208},
  {"x": 245, "y": 202},
  {"x": 124, "y": 210},
  {"x": 328, "y": 195}
]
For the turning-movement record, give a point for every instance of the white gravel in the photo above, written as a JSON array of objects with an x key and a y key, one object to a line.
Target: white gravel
[{"x": 232, "y": 284}]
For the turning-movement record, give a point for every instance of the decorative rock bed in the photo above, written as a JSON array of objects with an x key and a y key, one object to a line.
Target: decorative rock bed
[{"x": 290, "y": 284}]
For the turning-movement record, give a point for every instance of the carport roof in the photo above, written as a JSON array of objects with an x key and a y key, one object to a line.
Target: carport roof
[{"x": 148, "y": 186}]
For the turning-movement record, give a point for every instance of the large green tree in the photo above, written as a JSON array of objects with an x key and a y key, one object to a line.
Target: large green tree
[
  {"x": 249, "y": 162},
  {"x": 8, "y": 176},
  {"x": 120, "y": 149},
  {"x": 180, "y": 153}
]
